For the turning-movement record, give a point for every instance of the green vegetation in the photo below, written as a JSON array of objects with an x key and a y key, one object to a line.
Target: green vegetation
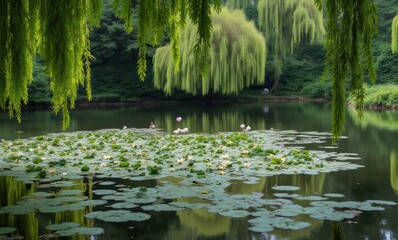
[
  {"x": 394, "y": 35},
  {"x": 381, "y": 96},
  {"x": 287, "y": 24},
  {"x": 235, "y": 60}
]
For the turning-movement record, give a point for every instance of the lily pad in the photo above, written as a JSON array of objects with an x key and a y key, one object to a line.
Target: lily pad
[
  {"x": 7, "y": 230},
  {"x": 286, "y": 188},
  {"x": 161, "y": 207},
  {"x": 70, "y": 192},
  {"x": 235, "y": 213},
  {"x": 118, "y": 216},
  {"x": 80, "y": 231},
  {"x": 62, "y": 226},
  {"x": 333, "y": 195}
]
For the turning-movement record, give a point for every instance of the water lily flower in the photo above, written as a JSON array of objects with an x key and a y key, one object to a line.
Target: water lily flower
[
  {"x": 225, "y": 156},
  {"x": 177, "y": 131},
  {"x": 248, "y": 128},
  {"x": 221, "y": 172},
  {"x": 116, "y": 162},
  {"x": 184, "y": 130},
  {"x": 106, "y": 157},
  {"x": 64, "y": 173},
  {"x": 133, "y": 146},
  {"x": 103, "y": 164},
  {"x": 84, "y": 148},
  {"x": 245, "y": 152},
  {"x": 221, "y": 167},
  {"x": 246, "y": 165},
  {"x": 208, "y": 164},
  {"x": 180, "y": 161},
  {"x": 31, "y": 149},
  {"x": 124, "y": 127},
  {"x": 242, "y": 126},
  {"x": 152, "y": 125},
  {"x": 172, "y": 169},
  {"x": 178, "y": 119},
  {"x": 51, "y": 171}
]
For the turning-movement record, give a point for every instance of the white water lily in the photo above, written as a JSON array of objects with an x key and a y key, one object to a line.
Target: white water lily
[
  {"x": 172, "y": 169},
  {"x": 133, "y": 146},
  {"x": 103, "y": 164},
  {"x": 51, "y": 171},
  {"x": 106, "y": 157},
  {"x": 177, "y": 131},
  {"x": 180, "y": 161},
  {"x": 184, "y": 130},
  {"x": 246, "y": 165},
  {"x": 31, "y": 149},
  {"x": 225, "y": 156},
  {"x": 242, "y": 126},
  {"x": 221, "y": 167},
  {"x": 245, "y": 152},
  {"x": 64, "y": 173},
  {"x": 189, "y": 158},
  {"x": 221, "y": 172},
  {"x": 116, "y": 162}
]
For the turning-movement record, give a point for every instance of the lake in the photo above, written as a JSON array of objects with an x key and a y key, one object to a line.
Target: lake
[{"x": 374, "y": 138}]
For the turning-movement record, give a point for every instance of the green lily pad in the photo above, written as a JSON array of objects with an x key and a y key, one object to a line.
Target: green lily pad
[
  {"x": 92, "y": 202},
  {"x": 127, "y": 205},
  {"x": 235, "y": 213},
  {"x": 80, "y": 231},
  {"x": 107, "y": 183},
  {"x": 161, "y": 207},
  {"x": 118, "y": 216},
  {"x": 43, "y": 194},
  {"x": 7, "y": 230},
  {"x": 286, "y": 188},
  {"x": 70, "y": 192},
  {"x": 382, "y": 202},
  {"x": 62, "y": 226},
  {"x": 333, "y": 195}
]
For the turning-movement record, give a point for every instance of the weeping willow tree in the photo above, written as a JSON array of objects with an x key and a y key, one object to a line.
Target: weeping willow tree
[
  {"x": 58, "y": 31},
  {"x": 394, "y": 35},
  {"x": 239, "y": 4},
  {"x": 350, "y": 27},
  {"x": 236, "y": 58},
  {"x": 289, "y": 23}
]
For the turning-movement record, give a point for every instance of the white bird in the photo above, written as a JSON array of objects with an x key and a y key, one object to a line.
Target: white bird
[
  {"x": 242, "y": 126},
  {"x": 124, "y": 127},
  {"x": 152, "y": 125},
  {"x": 248, "y": 128},
  {"x": 184, "y": 130}
]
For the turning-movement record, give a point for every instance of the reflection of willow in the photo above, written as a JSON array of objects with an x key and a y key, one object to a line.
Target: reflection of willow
[
  {"x": 77, "y": 216},
  {"x": 394, "y": 171},
  {"x": 210, "y": 122},
  {"x": 201, "y": 221},
  {"x": 12, "y": 191},
  {"x": 382, "y": 120},
  {"x": 309, "y": 185}
]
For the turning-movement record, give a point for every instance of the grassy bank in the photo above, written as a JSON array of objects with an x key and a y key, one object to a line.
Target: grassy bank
[{"x": 382, "y": 96}]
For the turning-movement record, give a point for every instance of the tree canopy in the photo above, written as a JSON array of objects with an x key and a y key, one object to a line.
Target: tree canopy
[
  {"x": 288, "y": 23},
  {"x": 236, "y": 58},
  {"x": 58, "y": 31}
]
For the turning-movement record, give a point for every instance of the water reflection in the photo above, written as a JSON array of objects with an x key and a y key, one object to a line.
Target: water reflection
[{"x": 374, "y": 138}]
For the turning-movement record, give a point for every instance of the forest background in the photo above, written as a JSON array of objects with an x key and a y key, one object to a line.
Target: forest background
[{"x": 115, "y": 78}]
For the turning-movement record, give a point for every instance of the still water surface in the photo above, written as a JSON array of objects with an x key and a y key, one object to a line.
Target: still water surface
[{"x": 374, "y": 138}]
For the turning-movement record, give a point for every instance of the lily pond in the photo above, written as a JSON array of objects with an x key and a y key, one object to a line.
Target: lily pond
[{"x": 283, "y": 179}]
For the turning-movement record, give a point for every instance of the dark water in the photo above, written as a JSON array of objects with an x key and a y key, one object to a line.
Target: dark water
[{"x": 374, "y": 138}]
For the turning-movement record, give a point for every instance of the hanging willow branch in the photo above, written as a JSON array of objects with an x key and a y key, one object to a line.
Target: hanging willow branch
[
  {"x": 350, "y": 27},
  {"x": 394, "y": 35},
  {"x": 59, "y": 31},
  {"x": 236, "y": 58},
  {"x": 289, "y": 23}
]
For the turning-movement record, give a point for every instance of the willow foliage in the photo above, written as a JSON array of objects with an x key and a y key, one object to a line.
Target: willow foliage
[
  {"x": 288, "y": 23},
  {"x": 350, "y": 27},
  {"x": 236, "y": 58},
  {"x": 59, "y": 31},
  {"x": 394, "y": 35}
]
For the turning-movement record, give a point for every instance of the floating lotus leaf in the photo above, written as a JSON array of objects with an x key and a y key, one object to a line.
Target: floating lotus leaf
[
  {"x": 332, "y": 215},
  {"x": 118, "y": 216},
  {"x": 235, "y": 213},
  {"x": 310, "y": 198},
  {"x": 286, "y": 195},
  {"x": 161, "y": 207},
  {"x": 333, "y": 195},
  {"x": 80, "y": 231},
  {"x": 18, "y": 209},
  {"x": 43, "y": 194},
  {"x": 62, "y": 184},
  {"x": 7, "y": 230},
  {"x": 62, "y": 226},
  {"x": 70, "y": 192},
  {"x": 107, "y": 183},
  {"x": 92, "y": 202},
  {"x": 104, "y": 191},
  {"x": 61, "y": 208},
  {"x": 127, "y": 205},
  {"x": 189, "y": 205},
  {"x": 287, "y": 223},
  {"x": 286, "y": 188},
  {"x": 289, "y": 210},
  {"x": 382, "y": 202}
]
